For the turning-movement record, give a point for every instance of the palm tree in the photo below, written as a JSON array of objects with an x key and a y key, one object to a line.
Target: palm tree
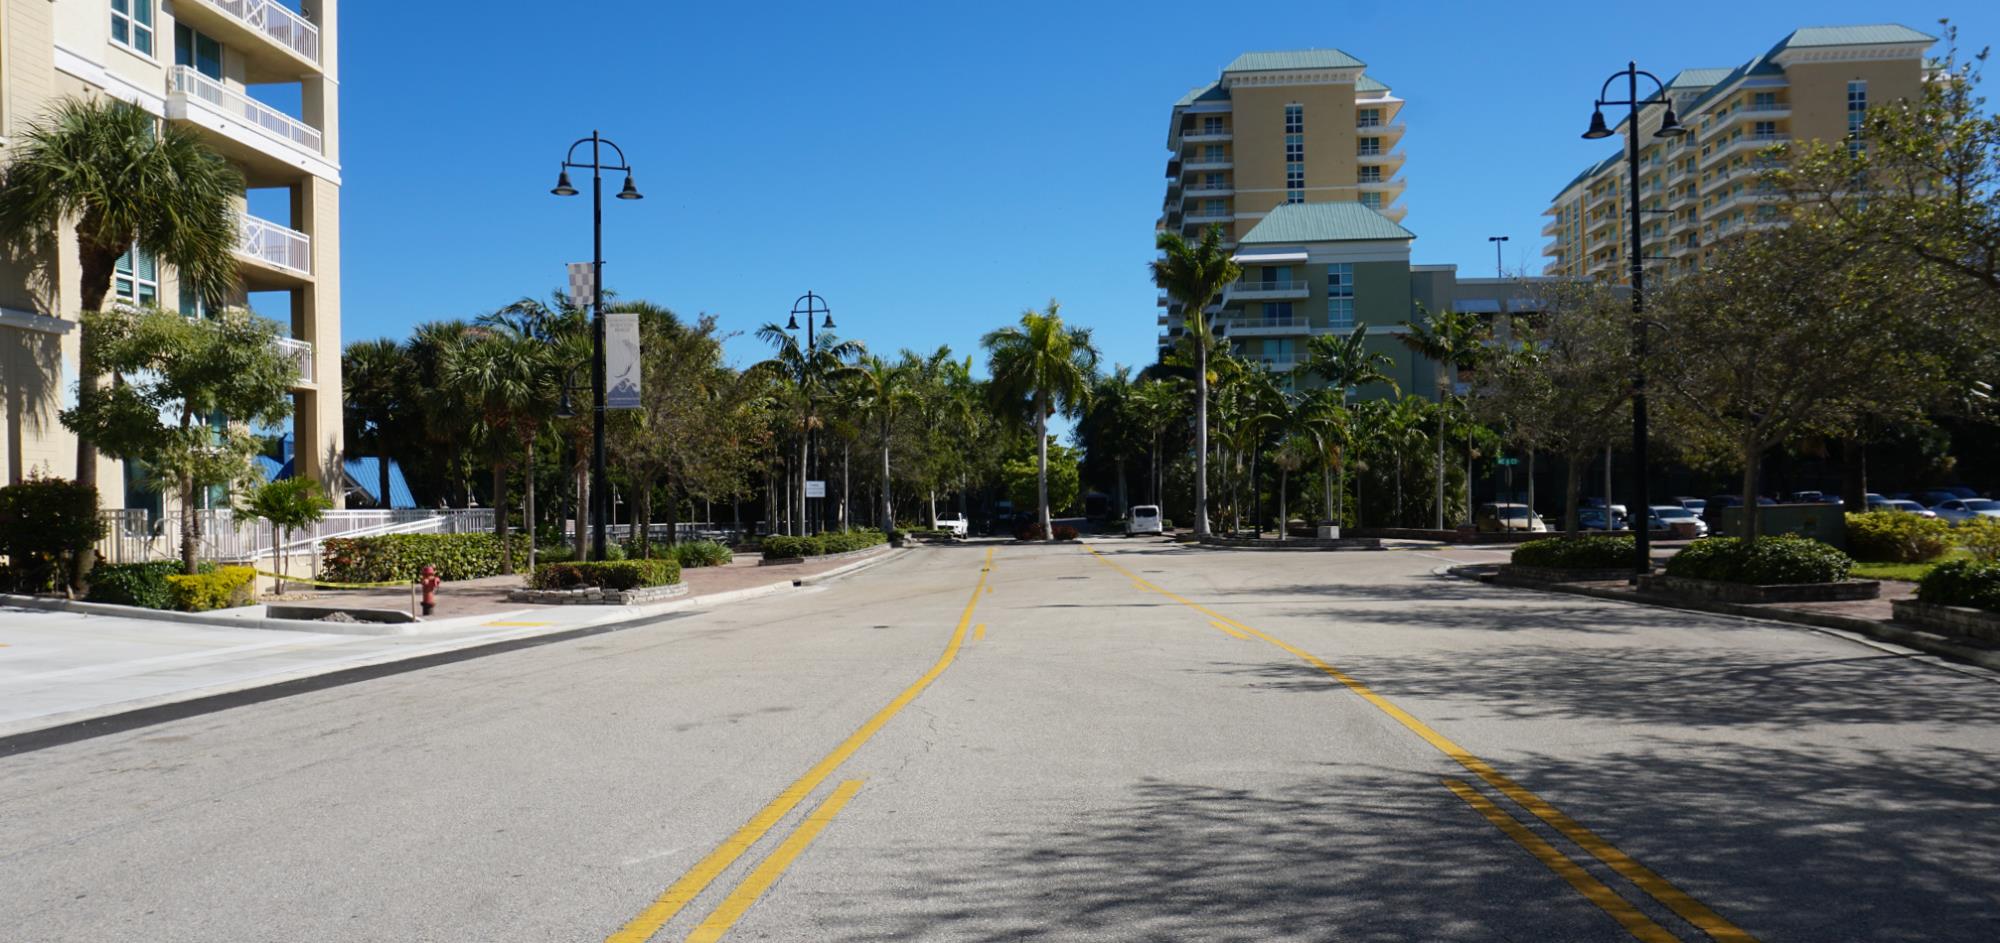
[
  {"x": 122, "y": 177},
  {"x": 1154, "y": 405},
  {"x": 375, "y": 378},
  {"x": 1195, "y": 274},
  {"x": 1038, "y": 368},
  {"x": 1345, "y": 362},
  {"x": 509, "y": 381},
  {"x": 1106, "y": 427},
  {"x": 885, "y": 390},
  {"x": 1456, "y": 341},
  {"x": 808, "y": 373},
  {"x": 1306, "y": 423}
]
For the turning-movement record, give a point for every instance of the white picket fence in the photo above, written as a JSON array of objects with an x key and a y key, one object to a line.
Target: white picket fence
[{"x": 137, "y": 536}]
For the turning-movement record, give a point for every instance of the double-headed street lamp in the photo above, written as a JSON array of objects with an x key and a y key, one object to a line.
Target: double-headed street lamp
[
  {"x": 808, "y": 304},
  {"x": 600, "y": 488},
  {"x": 1670, "y": 127}
]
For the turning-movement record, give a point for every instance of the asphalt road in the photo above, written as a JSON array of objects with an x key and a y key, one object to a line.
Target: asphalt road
[{"x": 1148, "y": 743}]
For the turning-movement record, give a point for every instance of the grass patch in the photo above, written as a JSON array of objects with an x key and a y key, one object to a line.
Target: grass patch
[{"x": 1910, "y": 572}]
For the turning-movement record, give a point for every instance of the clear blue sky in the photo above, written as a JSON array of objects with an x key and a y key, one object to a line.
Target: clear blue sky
[{"x": 933, "y": 169}]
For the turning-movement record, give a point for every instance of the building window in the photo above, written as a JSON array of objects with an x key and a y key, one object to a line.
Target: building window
[
  {"x": 1368, "y": 118},
  {"x": 1295, "y": 154},
  {"x": 1214, "y": 208},
  {"x": 1277, "y": 275},
  {"x": 137, "y": 278},
  {"x": 1213, "y": 154},
  {"x": 1764, "y": 101},
  {"x": 1371, "y": 174},
  {"x": 1857, "y": 113},
  {"x": 1278, "y": 354},
  {"x": 1370, "y": 147},
  {"x": 1372, "y": 200},
  {"x": 1211, "y": 126},
  {"x": 1212, "y": 182},
  {"x": 1340, "y": 295},
  {"x": 1295, "y": 119},
  {"x": 199, "y": 50},
  {"x": 1765, "y": 129},
  {"x": 1278, "y": 312},
  {"x": 132, "y": 25}
]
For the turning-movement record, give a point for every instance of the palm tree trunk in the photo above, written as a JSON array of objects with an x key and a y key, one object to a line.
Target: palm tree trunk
[
  {"x": 1042, "y": 464},
  {"x": 1440, "y": 465},
  {"x": 500, "y": 510},
  {"x": 846, "y": 447},
  {"x": 1123, "y": 507},
  {"x": 527, "y": 508},
  {"x": 1284, "y": 515},
  {"x": 888, "y": 509},
  {"x": 1201, "y": 430},
  {"x": 1399, "y": 488},
  {"x": 581, "y": 511},
  {"x": 382, "y": 467},
  {"x": 805, "y": 457},
  {"x": 1753, "y": 452},
  {"x": 1572, "y": 494},
  {"x": 190, "y": 525}
]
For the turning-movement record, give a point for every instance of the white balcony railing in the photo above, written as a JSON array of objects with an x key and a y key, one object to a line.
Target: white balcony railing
[
  {"x": 287, "y": 28},
  {"x": 215, "y": 96},
  {"x": 273, "y": 244},
  {"x": 301, "y": 353}
]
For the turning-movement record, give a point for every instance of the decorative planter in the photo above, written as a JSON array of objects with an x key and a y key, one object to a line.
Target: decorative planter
[
  {"x": 597, "y": 596},
  {"x": 1755, "y": 593},
  {"x": 1530, "y": 575},
  {"x": 1957, "y": 620}
]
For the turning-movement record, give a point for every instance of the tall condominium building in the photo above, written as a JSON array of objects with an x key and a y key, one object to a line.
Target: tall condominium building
[
  {"x": 258, "y": 80},
  {"x": 1816, "y": 84},
  {"x": 1278, "y": 128}
]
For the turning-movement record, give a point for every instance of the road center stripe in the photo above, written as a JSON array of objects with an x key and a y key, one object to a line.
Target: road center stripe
[
  {"x": 1675, "y": 899},
  {"x": 760, "y": 880},
  {"x": 705, "y": 871}
]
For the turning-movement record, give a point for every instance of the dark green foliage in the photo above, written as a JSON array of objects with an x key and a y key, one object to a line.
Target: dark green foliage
[
  {"x": 45, "y": 523},
  {"x": 1768, "y": 560},
  {"x": 780, "y": 547},
  {"x": 223, "y": 588},
  {"x": 607, "y": 574},
  {"x": 137, "y": 584},
  {"x": 695, "y": 553},
  {"x": 1962, "y": 583},
  {"x": 402, "y": 557},
  {"x": 1896, "y": 537},
  {"x": 1577, "y": 553}
]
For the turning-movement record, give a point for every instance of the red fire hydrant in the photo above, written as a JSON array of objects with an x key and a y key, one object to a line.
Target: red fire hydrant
[{"x": 429, "y": 581}]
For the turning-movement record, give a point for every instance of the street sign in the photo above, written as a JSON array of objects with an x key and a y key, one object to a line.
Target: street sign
[
  {"x": 1507, "y": 461},
  {"x": 815, "y": 489}
]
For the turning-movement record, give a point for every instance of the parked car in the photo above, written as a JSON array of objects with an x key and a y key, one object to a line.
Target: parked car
[
  {"x": 1939, "y": 496},
  {"x": 1680, "y": 521},
  {"x": 1960, "y": 510},
  {"x": 1735, "y": 501},
  {"x": 1143, "y": 519},
  {"x": 1497, "y": 517},
  {"x": 1815, "y": 497},
  {"x": 1696, "y": 505},
  {"x": 957, "y": 524},
  {"x": 1599, "y": 502},
  {"x": 1904, "y": 505},
  {"x": 1593, "y": 519}
]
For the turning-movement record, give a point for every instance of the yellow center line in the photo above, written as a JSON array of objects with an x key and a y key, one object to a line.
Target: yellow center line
[
  {"x": 767, "y": 872},
  {"x": 1226, "y": 627},
  {"x": 678, "y": 894},
  {"x": 1593, "y": 890},
  {"x": 979, "y": 634},
  {"x": 1691, "y": 910}
]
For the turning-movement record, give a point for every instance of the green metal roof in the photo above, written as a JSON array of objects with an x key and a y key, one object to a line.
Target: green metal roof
[
  {"x": 1368, "y": 84},
  {"x": 1697, "y": 78},
  {"x": 1297, "y": 223},
  {"x": 1296, "y": 59},
  {"x": 1213, "y": 91},
  {"x": 1871, "y": 35}
]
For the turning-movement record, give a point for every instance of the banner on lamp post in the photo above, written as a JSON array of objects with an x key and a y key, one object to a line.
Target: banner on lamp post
[
  {"x": 621, "y": 361},
  {"x": 582, "y": 287}
]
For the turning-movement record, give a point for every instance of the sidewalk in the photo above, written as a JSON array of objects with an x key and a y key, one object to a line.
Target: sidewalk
[{"x": 59, "y": 669}]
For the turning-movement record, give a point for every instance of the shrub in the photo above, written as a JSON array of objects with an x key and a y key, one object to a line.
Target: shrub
[
  {"x": 44, "y": 524},
  {"x": 781, "y": 547},
  {"x": 1577, "y": 553},
  {"x": 1896, "y": 537},
  {"x": 1962, "y": 583},
  {"x": 1981, "y": 537},
  {"x": 1065, "y": 532},
  {"x": 137, "y": 584},
  {"x": 698, "y": 553},
  {"x": 402, "y": 556},
  {"x": 1031, "y": 530},
  {"x": 221, "y": 589},
  {"x": 1782, "y": 559},
  {"x": 607, "y": 574}
]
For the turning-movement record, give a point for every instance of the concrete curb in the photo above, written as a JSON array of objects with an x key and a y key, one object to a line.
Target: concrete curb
[
  {"x": 1927, "y": 642},
  {"x": 854, "y": 567}
]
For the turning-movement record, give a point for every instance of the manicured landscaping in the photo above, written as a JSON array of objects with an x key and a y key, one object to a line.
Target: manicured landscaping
[
  {"x": 606, "y": 574},
  {"x": 781, "y": 547},
  {"x": 394, "y": 557},
  {"x": 1968, "y": 583},
  {"x": 699, "y": 553},
  {"x": 223, "y": 588},
  {"x": 136, "y": 584},
  {"x": 1897, "y": 537},
  {"x": 1778, "y": 560},
  {"x": 1576, "y": 553}
]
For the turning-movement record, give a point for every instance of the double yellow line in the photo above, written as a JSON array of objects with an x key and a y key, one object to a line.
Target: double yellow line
[
  {"x": 697, "y": 879},
  {"x": 1659, "y": 888}
]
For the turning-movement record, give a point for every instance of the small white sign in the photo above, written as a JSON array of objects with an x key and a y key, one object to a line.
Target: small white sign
[{"x": 815, "y": 489}]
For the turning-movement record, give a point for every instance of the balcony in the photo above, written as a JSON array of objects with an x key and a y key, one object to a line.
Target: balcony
[
  {"x": 1211, "y": 190},
  {"x": 301, "y": 353},
  {"x": 269, "y": 142},
  {"x": 1204, "y": 216},
  {"x": 1390, "y": 162},
  {"x": 1203, "y": 162},
  {"x": 267, "y": 243},
  {"x": 1274, "y": 290},
  {"x": 1748, "y": 142},
  {"x": 276, "y": 43},
  {"x": 1552, "y": 227},
  {"x": 1390, "y": 189},
  {"x": 1269, "y": 327},
  {"x": 1205, "y": 135}
]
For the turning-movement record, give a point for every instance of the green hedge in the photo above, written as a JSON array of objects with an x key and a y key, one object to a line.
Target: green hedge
[
  {"x": 1782, "y": 559},
  {"x": 402, "y": 557},
  {"x": 1962, "y": 583},
  {"x": 607, "y": 574},
  {"x": 1578, "y": 553},
  {"x": 780, "y": 547},
  {"x": 44, "y": 524},
  {"x": 699, "y": 553},
  {"x": 1897, "y": 537},
  {"x": 137, "y": 584},
  {"x": 222, "y": 589}
]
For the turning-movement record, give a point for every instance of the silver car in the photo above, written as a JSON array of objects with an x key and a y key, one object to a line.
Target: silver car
[{"x": 1960, "y": 510}]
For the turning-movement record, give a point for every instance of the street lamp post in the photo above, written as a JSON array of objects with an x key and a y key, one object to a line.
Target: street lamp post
[
  {"x": 599, "y": 485},
  {"x": 808, "y": 304},
  {"x": 1670, "y": 127},
  {"x": 1497, "y": 240}
]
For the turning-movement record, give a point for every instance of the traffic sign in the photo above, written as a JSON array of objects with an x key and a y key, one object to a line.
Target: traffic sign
[
  {"x": 815, "y": 489},
  {"x": 1506, "y": 460}
]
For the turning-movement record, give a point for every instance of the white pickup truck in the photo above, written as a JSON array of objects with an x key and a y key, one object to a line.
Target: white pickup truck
[{"x": 957, "y": 524}]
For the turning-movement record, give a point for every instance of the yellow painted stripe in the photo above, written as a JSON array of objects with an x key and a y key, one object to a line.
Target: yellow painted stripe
[
  {"x": 1677, "y": 900},
  {"x": 1593, "y": 890},
  {"x": 705, "y": 871},
  {"x": 760, "y": 880},
  {"x": 1226, "y": 627},
  {"x": 979, "y": 634}
]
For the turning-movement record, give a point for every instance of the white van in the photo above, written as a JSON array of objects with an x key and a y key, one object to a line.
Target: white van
[{"x": 1143, "y": 519}]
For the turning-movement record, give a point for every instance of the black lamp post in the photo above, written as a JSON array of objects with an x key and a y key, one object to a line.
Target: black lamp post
[
  {"x": 1670, "y": 127},
  {"x": 1496, "y": 240},
  {"x": 599, "y": 485},
  {"x": 808, "y": 304}
]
